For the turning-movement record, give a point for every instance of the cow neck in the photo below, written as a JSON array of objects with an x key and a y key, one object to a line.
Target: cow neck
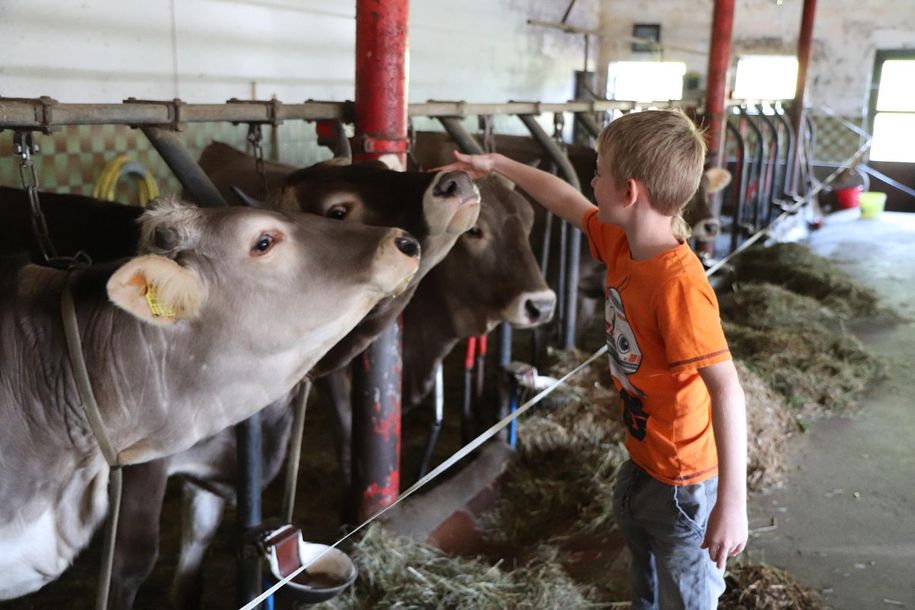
[{"x": 81, "y": 373}]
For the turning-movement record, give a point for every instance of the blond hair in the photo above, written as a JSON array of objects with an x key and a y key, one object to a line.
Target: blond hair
[{"x": 662, "y": 149}]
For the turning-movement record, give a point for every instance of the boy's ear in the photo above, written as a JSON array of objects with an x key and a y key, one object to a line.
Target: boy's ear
[
  {"x": 157, "y": 290},
  {"x": 634, "y": 188}
]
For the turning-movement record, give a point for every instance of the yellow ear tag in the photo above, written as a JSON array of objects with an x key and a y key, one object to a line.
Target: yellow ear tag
[{"x": 156, "y": 308}]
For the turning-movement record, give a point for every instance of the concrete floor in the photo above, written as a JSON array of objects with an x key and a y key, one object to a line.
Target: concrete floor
[{"x": 846, "y": 516}]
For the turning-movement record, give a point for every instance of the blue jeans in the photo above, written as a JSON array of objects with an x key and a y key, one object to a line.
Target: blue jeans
[{"x": 664, "y": 526}]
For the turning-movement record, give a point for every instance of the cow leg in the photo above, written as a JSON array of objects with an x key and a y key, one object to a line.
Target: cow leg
[
  {"x": 201, "y": 514},
  {"x": 137, "y": 543},
  {"x": 335, "y": 397}
]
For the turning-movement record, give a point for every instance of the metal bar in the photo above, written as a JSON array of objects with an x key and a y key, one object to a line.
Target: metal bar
[
  {"x": 755, "y": 163},
  {"x": 196, "y": 183},
  {"x": 455, "y": 128},
  {"x": 790, "y": 150},
  {"x": 771, "y": 162},
  {"x": 568, "y": 174},
  {"x": 718, "y": 61},
  {"x": 587, "y": 122},
  {"x": 804, "y": 49},
  {"x": 46, "y": 113},
  {"x": 380, "y": 116},
  {"x": 295, "y": 449},
  {"x": 248, "y": 497},
  {"x": 739, "y": 184}
]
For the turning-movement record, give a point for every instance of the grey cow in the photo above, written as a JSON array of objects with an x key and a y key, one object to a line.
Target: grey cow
[{"x": 256, "y": 298}]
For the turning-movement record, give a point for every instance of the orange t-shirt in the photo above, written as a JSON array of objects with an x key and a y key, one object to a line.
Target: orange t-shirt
[{"x": 662, "y": 325}]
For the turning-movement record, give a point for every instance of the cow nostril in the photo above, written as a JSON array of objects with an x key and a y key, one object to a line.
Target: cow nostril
[
  {"x": 711, "y": 228},
  {"x": 407, "y": 245},
  {"x": 452, "y": 184},
  {"x": 531, "y": 309}
]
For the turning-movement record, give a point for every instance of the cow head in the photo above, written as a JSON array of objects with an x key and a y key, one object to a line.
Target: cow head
[
  {"x": 697, "y": 213},
  {"x": 274, "y": 275},
  {"x": 491, "y": 275},
  {"x": 436, "y": 208}
]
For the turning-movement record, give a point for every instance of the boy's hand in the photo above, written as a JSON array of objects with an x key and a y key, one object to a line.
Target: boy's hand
[
  {"x": 726, "y": 533},
  {"x": 477, "y": 166}
]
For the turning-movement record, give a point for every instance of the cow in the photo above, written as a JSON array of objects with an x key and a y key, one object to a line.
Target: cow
[
  {"x": 251, "y": 300},
  {"x": 438, "y": 208}
]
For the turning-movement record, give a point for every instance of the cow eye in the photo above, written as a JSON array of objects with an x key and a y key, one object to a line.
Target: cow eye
[
  {"x": 338, "y": 212},
  {"x": 475, "y": 232},
  {"x": 263, "y": 244}
]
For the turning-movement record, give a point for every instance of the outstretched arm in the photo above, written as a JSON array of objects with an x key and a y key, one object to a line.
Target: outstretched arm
[
  {"x": 553, "y": 193},
  {"x": 727, "y": 526}
]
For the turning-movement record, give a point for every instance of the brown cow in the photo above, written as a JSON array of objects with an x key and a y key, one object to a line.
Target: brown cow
[{"x": 252, "y": 299}]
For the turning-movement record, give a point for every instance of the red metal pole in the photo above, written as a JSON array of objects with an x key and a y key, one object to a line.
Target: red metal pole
[
  {"x": 719, "y": 59},
  {"x": 381, "y": 133},
  {"x": 804, "y": 48},
  {"x": 381, "y": 79}
]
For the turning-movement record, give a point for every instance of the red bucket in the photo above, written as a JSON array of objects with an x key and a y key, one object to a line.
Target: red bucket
[{"x": 848, "y": 197}]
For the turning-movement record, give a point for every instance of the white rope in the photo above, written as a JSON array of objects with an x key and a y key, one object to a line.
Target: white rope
[{"x": 468, "y": 448}]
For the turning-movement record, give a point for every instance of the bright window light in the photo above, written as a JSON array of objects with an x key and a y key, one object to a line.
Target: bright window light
[
  {"x": 893, "y": 137},
  {"x": 896, "y": 80},
  {"x": 645, "y": 81},
  {"x": 765, "y": 77}
]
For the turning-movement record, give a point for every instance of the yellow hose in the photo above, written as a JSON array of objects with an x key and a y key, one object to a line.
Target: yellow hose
[{"x": 121, "y": 166}]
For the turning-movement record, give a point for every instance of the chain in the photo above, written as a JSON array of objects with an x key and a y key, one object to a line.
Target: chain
[
  {"x": 489, "y": 138},
  {"x": 255, "y": 138},
  {"x": 559, "y": 123},
  {"x": 25, "y": 148}
]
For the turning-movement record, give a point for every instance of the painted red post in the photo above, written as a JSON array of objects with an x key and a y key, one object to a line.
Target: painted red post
[
  {"x": 381, "y": 133},
  {"x": 716, "y": 87},
  {"x": 381, "y": 79},
  {"x": 804, "y": 48},
  {"x": 717, "y": 80}
]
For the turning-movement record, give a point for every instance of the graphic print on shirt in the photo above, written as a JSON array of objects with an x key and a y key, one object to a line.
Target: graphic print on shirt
[{"x": 625, "y": 358}]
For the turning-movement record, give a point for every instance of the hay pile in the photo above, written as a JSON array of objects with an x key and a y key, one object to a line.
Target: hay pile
[
  {"x": 397, "y": 572},
  {"x": 796, "y": 268},
  {"x": 762, "y": 587},
  {"x": 582, "y": 413},
  {"x": 799, "y": 348},
  {"x": 769, "y": 426}
]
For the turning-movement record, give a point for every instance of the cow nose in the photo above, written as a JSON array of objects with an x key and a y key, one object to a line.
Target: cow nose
[
  {"x": 712, "y": 227},
  {"x": 408, "y": 245},
  {"x": 540, "y": 309},
  {"x": 454, "y": 184}
]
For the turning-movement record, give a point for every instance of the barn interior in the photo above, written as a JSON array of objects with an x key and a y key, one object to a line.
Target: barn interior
[{"x": 806, "y": 104}]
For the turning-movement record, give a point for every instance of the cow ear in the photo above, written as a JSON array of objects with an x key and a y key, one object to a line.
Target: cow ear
[
  {"x": 718, "y": 178},
  {"x": 157, "y": 290}
]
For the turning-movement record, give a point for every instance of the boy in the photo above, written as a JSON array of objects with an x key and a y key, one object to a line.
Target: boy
[{"x": 684, "y": 488}]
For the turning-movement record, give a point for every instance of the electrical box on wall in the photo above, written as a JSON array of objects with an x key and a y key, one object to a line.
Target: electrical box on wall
[{"x": 650, "y": 33}]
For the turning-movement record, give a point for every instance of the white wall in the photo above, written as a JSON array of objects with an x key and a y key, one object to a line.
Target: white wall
[
  {"x": 846, "y": 35},
  {"x": 211, "y": 50}
]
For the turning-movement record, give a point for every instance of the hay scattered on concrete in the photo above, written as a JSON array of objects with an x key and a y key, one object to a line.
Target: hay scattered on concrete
[
  {"x": 397, "y": 572},
  {"x": 762, "y": 587},
  {"x": 797, "y": 268},
  {"x": 799, "y": 348},
  {"x": 584, "y": 412},
  {"x": 769, "y": 426}
]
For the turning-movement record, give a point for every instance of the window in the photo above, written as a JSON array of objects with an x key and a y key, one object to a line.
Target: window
[
  {"x": 645, "y": 81},
  {"x": 892, "y": 107},
  {"x": 765, "y": 77}
]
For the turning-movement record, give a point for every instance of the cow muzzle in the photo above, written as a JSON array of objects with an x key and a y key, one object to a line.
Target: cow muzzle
[
  {"x": 707, "y": 229},
  {"x": 454, "y": 204},
  {"x": 530, "y": 309}
]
